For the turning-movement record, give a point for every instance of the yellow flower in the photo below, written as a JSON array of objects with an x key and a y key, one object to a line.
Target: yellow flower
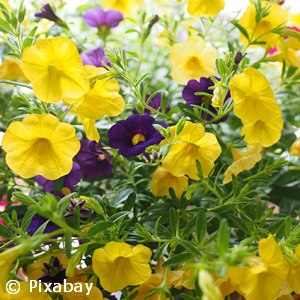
[
  {"x": 11, "y": 70},
  {"x": 90, "y": 129},
  {"x": 192, "y": 144},
  {"x": 243, "y": 161},
  {"x": 266, "y": 278},
  {"x": 294, "y": 272},
  {"x": 201, "y": 8},
  {"x": 253, "y": 96},
  {"x": 192, "y": 59},
  {"x": 55, "y": 69},
  {"x": 102, "y": 99},
  {"x": 163, "y": 180},
  {"x": 40, "y": 145},
  {"x": 295, "y": 149},
  {"x": 125, "y": 6},
  {"x": 266, "y": 133},
  {"x": 261, "y": 31},
  {"x": 119, "y": 264}
]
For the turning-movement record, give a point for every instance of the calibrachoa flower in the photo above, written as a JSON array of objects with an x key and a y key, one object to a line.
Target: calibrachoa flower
[
  {"x": 253, "y": 96},
  {"x": 40, "y": 145},
  {"x": 67, "y": 184},
  {"x": 262, "y": 32},
  {"x": 294, "y": 272},
  {"x": 94, "y": 57},
  {"x": 133, "y": 135},
  {"x": 155, "y": 103},
  {"x": 93, "y": 159},
  {"x": 26, "y": 293},
  {"x": 192, "y": 59},
  {"x": 201, "y": 8},
  {"x": 55, "y": 69},
  {"x": 295, "y": 148},
  {"x": 96, "y": 17},
  {"x": 101, "y": 99},
  {"x": 119, "y": 264},
  {"x": 192, "y": 144},
  {"x": 243, "y": 161},
  {"x": 93, "y": 294},
  {"x": 48, "y": 13},
  {"x": 37, "y": 221},
  {"x": 162, "y": 180},
  {"x": 193, "y": 86},
  {"x": 256, "y": 106}
]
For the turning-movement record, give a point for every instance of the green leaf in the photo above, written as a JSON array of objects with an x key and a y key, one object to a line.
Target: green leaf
[
  {"x": 178, "y": 259},
  {"x": 6, "y": 232},
  {"x": 99, "y": 227},
  {"x": 241, "y": 29},
  {"x": 173, "y": 221},
  {"x": 201, "y": 227},
  {"x": 143, "y": 231},
  {"x": 288, "y": 227},
  {"x": 223, "y": 237},
  {"x": 75, "y": 260},
  {"x": 189, "y": 246}
]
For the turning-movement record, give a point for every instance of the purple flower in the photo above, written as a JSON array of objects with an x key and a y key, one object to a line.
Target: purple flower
[
  {"x": 48, "y": 13},
  {"x": 203, "y": 85},
  {"x": 133, "y": 135},
  {"x": 94, "y": 57},
  {"x": 93, "y": 159},
  {"x": 61, "y": 186},
  {"x": 54, "y": 272},
  {"x": 96, "y": 17},
  {"x": 37, "y": 221}
]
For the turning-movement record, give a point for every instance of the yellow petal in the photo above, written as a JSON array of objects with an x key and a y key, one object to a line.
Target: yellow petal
[
  {"x": 90, "y": 129},
  {"x": 162, "y": 180},
  {"x": 200, "y": 8}
]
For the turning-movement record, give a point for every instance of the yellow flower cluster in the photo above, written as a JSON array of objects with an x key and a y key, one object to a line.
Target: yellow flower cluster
[
  {"x": 41, "y": 144},
  {"x": 256, "y": 106},
  {"x": 268, "y": 276}
]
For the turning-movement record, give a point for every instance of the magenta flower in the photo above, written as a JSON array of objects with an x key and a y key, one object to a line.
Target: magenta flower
[
  {"x": 47, "y": 12},
  {"x": 95, "y": 57},
  {"x": 93, "y": 159},
  {"x": 96, "y": 17},
  {"x": 133, "y": 135}
]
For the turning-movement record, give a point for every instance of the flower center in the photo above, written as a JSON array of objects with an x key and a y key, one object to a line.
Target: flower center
[
  {"x": 193, "y": 62},
  {"x": 42, "y": 145},
  {"x": 137, "y": 138},
  {"x": 101, "y": 156}
]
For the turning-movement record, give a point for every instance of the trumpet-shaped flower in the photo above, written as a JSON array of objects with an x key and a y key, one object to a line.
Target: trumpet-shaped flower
[
  {"x": 85, "y": 294},
  {"x": 119, "y": 264},
  {"x": 201, "y": 8},
  {"x": 90, "y": 128},
  {"x": 102, "y": 99},
  {"x": 243, "y": 161},
  {"x": 192, "y": 59},
  {"x": 262, "y": 32},
  {"x": 163, "y": 180},
  {"x": 96, "y": 17},
  {"x": 191, "y": 144},
  {"x": 55, "y": 69},
  {"x": 40, "y": 145},
  {"x": 28, "y": 293},
  {"x": 253, "y": 96},
  {"x": 266, "y": 133},
  {"x": 133, "y": 135},
  {"x": 295, "y": 148}
]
